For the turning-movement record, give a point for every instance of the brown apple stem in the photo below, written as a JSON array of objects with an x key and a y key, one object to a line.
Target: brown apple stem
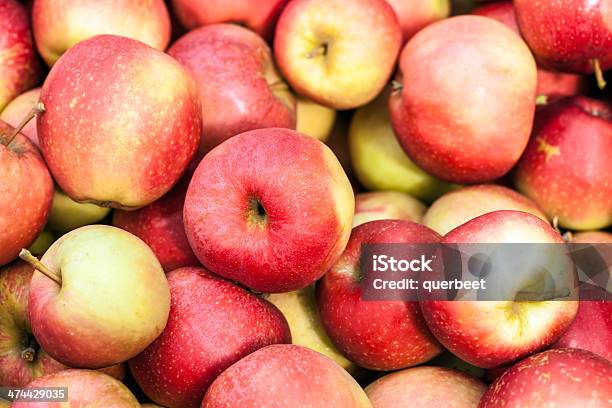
[
  {"x": 541, "y": 100},
  {"x": 28, "y": 354},
  {"x": 555, "y": 224},
  {"x": 601, "y": 81},
  {"x": 320, "y": 50},
  {"x": 39, "y": 266},
  {"x": 37, "y": 109}
]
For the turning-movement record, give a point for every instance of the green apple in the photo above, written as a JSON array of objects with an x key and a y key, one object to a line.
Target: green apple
[
  {"x": 67, "y": 214},
  {"x": 42, "y": 242},
  {"x": 314, "y": 119}
]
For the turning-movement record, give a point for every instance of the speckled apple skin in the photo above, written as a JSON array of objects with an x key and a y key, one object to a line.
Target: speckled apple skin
[
  {"x": 561, "y": 378},
  {"x": 307, "y": 198},
  {"x": 60, "y": 24},
  {"x": 566, "y": 34},
  {"x": 122, "y": 122},
  {"x": 23, "y": 209},
  {"x": 379, "y": 335},
  {"x": 160, "y": 225},
  {"x": 285, "y": 375},
  {"x": 431, "y": 387},
  {"x": 239, "y": 85},
  {"x": 19, "y": 65},
  {"x": 86, "y": 388},
  {"x": 213, "y": 323},
  {"x": 566, "y": 167},
  {"x": 449, "y": 130}
]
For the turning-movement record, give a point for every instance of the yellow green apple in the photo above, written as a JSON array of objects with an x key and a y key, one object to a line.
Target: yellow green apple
[
  {"x": 314, "y": 119},
  {"x": 67, "y": 214}
]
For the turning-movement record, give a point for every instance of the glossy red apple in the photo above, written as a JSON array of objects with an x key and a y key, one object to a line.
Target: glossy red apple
[
  {"x": 564, "y": 378},
  {"x": 213, "y": 323},
  {"x": 285, "y": 375},
  {"x": 447, "y": 130},
  {"x": 19, "y": 65},
  {"x": 112, "y": 133},
  {"x": 18, "y": 109},
  {"x": 379, "y": 335},
  {"x": 413, "y": 15},
  {"x": 269, "y": 208},
  {"x": 239, "y": 85},
  {"x": 566, "y": 168}
]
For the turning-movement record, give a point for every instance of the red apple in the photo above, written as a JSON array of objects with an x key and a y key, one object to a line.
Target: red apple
[
  {"x": 19, "y": 65},
  {"x": 112, "y": 133},
  {"x": 260, "y": 16},
  {"x": 285, "y": 375},
  {"x": 213, "y": 323},
  {"x": 25, "y": 195},
  {"x": 566, "y": 168},
  {"x": 387, "y": 205},
  {"x": 240, "y": 87},
  {"x": 555, "y": 378},
  {"x": 326, "y": 49},
  {"x": 413, "y": 15},
  {"x": 379, "y": 335},
  {"x": 18, "y": 109},
  {"x": 447, "y": 129},
  {"x": 60, "y": 24},
  {"x": 269, "y": 208},
  {"x": 160, "y": 225},
  {"x": 431, "y": 387},
  {"x": 492, "y": 333}
]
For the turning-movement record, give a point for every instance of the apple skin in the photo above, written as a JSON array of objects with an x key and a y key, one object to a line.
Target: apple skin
[
  {"x": 239, "y": 85},
  {"x": 133, "y": 150},
  {"x": 178, "y": 367},
  {"x": 18, "y": 109},
  {"x": 431, "y": 387},
  {"x": 386, "y": 205},
  {"x": 42, "y": 242},
  {"x": 113, "y": 302},
  {"x": 269, "y": 208},
  {"x": 486, "y": 333},
  {"x": 314, "y": 119},
  {"x": 19, "y": 65},
  {"x": 380, "y": 335},
  {"x": 447, "y": 130},
  {"x": 329, "y": 59},
  {"x": 60, "y": 24},
  {"x": 259, "y": 16},
  {"x": 566, "y": 168},
  {"x": 550, "y": 83},
  {"x": 413, "y": 15},
  {"x": 567, "y": 35},
  {"x": 559, "y": 378},
  {"x": 86, "y": 388},
  {"x": 459, "y": 206},
  {"x": 67, "y": 215},
  {"x": 23, "y": 209},
  {"x": 285, "y": 375}
]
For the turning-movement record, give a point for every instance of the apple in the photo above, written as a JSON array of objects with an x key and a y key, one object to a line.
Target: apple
[
  {"x": 213, "y": 323},
  {"x": 592, "y": 237},
  {"x": 85, "y": 388},
  {"x": 432, "y": 387},
  {"x": 269, "y": 208},
  {"x": 551, "y": 84},
  {"x": 42, "y": 242},
  {"x": 559, "y": 378},
  {"x": 123, "y": 139},
  {"x": 459, "y": 206},
  {"x": 19, "y": 65},
  {"x": 566, "y": 168},
  {"x": 314, "y": 119},
  {"x": 568, "y": 35},
  {"x": 260, "y": 16},
  {"x": 239, "y": 85},
  {"x": 326, "y": 49},
  {"x": 23, "y": 209},
  {"x": 99, "y": 297},
  {"x": 378, "y": 335},
  {"x": 492, "y": 333},
  {"x": 67, "y": 214},
  {"x": 285, "y": 375},
  {"x": 379, "y": 161},
  {"x": 300, "y": 309},
  {"x": 448, "y": 129},
  {"x": 59, "y": 25},
  {"x": 160, "y": 225},
  {"x": 18, "y": 109},
  {"x": 413, "y": 15},
  {"x": 386, "y": 205}
]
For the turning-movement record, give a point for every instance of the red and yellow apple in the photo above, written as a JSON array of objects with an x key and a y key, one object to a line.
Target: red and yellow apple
[
  {"x": 314, "y": 119},
  {"x": 413, "y": 15},
  {"x": 386, "y": 205},
  {"x": 19, "y": 108}
]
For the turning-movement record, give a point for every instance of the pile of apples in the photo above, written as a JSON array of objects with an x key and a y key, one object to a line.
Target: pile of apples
[{"x": 184, "y": 200}]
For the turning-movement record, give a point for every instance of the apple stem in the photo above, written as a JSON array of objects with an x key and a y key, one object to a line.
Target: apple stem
[
  {"x": 396, "y": 86},
  {"x": 541, "y": 100},
  {"x": 601, "y": 81},
  {"x": 39, "y": 266},
  {"x": 568, "y": 236},
  {"x": 555, "y": 224},
  {"x": 36, "y": 110},
  {"x": 28, "y": 354},
  {"x": 320, "y": 50}
]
